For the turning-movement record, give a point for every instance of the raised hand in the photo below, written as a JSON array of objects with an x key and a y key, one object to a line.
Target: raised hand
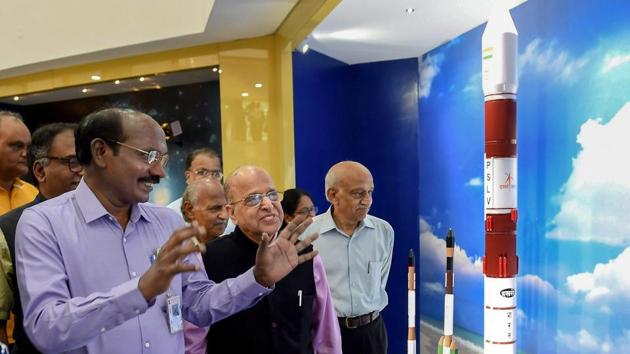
[
  {"x": 157, "y": 278},
  {"x": 277, "y": 257}
]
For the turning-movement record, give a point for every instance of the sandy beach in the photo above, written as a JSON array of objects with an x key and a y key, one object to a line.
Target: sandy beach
[{"x": 430, "y": 335}]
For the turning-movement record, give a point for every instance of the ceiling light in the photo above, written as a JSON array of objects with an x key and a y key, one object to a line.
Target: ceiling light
[
  {"x": 117, "y": 82},
  {"x": 244, "y": 94},
  {"x": 220, "y": 71},
  {"x": 258, "y": 85},
  {"x": 141, "y": 79},
  {"x": 16, "y": 98},
  {"x": 84, "y": 90},
  {"x": 304, "y": 48},
  {"x": 95, "y": 77},
  {"x": 410, "y": 10},
  {"x": 215, "y": 69}
]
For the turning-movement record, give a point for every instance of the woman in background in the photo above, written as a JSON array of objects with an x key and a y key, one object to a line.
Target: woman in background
[{"x": 296, "y": 201}]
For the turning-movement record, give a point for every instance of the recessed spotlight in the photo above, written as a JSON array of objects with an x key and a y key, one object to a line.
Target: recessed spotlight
[
  {"x": 158, "y": 87},
  {"x": 95, "y": 77},
  {"x": 220, "y": 71},
  {"x": 258, "y": 85},
  {"x": 84, "y": 90},
  {"x": 215, "y": 69},
  {"x": 141, "y": 79},
  {"x": 304, "y": 48},
  {"x": 244, "y": 94},
  {"x": 410, "y": 10},
  {"x": 16, "y": 98},
  {"x": 117, "y": 82}
]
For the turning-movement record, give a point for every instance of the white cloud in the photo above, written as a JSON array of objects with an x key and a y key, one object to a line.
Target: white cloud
[
  {"x": 595, "y": 200},
  {"x": 606, "y": 286},
  {"x": 433, "y": 252},
  {"x": 533, "y": 286},
  {"x": 429, "y": 67},
  {"x": 547, "y": 59},
  {"x": 473, "y": 84},
  {"x": 612, "y": 61},
  {"x": 582, "y": 342},
  {"x": 434, "y": 287},
  {"x": 474, "y": 182}
]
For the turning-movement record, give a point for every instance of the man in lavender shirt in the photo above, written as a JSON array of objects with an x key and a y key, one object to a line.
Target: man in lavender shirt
[{"x": 89, "y": 274}]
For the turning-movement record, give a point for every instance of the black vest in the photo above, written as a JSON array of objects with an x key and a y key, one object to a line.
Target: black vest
[{"x": 280, "y": 323}]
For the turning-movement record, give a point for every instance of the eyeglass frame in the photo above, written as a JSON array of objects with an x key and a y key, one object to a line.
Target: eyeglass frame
[
  {"x": 307, "y": 210},
  {"x": 216, "y": 174},
  {"x": 66, "y": 161},
  {"x": 258, "y": 195},
  {"x": 160, "y": 158}
]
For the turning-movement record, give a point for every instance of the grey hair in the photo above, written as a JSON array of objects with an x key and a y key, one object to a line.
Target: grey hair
[
  {"x": 191, "y": 194},
  {"x": 330, "y": 181}
]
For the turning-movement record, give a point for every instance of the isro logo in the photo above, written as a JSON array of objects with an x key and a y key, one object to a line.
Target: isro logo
[
  {"x": 508, "y": 182},
  {"x": 507, "y": 292}
]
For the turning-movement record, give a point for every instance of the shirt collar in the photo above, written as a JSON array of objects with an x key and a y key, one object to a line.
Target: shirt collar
[
  {"x": 328, "y": 223},
  {"x": 93, "y": 209}
]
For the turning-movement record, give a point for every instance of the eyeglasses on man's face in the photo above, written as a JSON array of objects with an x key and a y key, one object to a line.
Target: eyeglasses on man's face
[
  {"x": 72, "y": 162},
  {"x": 255, "y": 199},
  {"x": 206, "y": 173},
  {"x": 308, "y": 211},
  {"x": 359, "y": 195},
  {"x": 153, "y": 156}
]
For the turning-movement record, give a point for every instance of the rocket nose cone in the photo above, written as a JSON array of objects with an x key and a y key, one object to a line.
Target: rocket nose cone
[{"x": 500, "y": 21}]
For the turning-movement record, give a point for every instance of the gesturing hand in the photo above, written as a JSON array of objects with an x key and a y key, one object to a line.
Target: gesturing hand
[
  {"x": 276, "y": 258},
  {"x": 158, "y": 278}
]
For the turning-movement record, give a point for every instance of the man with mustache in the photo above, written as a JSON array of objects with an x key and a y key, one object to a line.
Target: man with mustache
[
  {"x": 203, "y": 202},
  {"x": 298, "y": 317},
  {"x": 356, "y": 249},
  {"x": 56, "y": 170},
  {"x": 14, "y": 141},
  {"x": 102, "y": 271}
]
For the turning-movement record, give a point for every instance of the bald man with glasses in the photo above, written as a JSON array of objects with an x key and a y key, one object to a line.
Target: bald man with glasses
[{"x": 298, "y": 316}]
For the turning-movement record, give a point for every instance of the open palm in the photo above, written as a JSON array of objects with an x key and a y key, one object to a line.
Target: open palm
[{"x": 277, "y": 257}]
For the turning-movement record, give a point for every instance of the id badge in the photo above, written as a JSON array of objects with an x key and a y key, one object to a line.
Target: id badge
[{"x": 174, "y": 313}]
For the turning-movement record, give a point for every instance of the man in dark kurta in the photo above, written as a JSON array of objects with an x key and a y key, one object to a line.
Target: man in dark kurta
[{"x": 298, "y": 316}]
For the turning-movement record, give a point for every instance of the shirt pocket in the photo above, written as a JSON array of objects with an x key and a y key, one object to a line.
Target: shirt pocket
[{"x": 374, "y": 278}]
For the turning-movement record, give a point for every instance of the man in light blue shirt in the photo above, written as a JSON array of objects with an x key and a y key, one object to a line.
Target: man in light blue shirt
[{"x": 356, "y": 249}]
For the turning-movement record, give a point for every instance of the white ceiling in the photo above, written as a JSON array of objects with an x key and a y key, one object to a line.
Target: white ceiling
[
  {"x": 44, "y": 35},
  {"x": 361, "y": 31}
]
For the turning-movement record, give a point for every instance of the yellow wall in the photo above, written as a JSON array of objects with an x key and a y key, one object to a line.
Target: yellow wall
[{"x": 257, "y": 129}]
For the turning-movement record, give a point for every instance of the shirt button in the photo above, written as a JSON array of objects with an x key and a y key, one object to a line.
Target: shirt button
[
  {"x": 260, "y": 294},
  {"x": 274, "y": 325},
  {"x": 147, "y": 344},
  {"x": 133, "y": 274},
  {"x": 102, "y": 329},
  {"x": 137, "y": 312},
  {"x": 124, "y": 240}
]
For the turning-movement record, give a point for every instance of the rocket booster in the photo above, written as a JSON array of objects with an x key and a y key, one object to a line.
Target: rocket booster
[
  {"x": 446, "y": 345},
  {"x": 500, "y": 263},
  {"x": 411, "y": 304}
]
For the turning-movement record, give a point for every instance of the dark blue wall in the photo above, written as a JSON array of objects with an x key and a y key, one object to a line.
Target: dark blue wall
[{"x": 367, "y": 113}]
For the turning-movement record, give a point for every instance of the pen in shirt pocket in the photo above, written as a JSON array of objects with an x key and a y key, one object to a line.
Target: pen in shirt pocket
[{"x": 299, "y": 298}]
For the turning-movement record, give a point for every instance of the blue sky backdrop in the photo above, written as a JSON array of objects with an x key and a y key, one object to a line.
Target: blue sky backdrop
[{"x": 573, "y": 175}]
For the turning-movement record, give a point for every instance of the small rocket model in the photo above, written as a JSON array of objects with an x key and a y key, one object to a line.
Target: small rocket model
[
  {"x": 447, "y": 345},
  {"x": 411, "y": 304},
  {"x": 500, "y": 263}
]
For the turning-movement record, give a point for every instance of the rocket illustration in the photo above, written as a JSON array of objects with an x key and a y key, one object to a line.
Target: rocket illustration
[
  {"x": 500, "y": 263},
  {"x": 411, "y": 304},
  {"x": 447, "y": 345}
]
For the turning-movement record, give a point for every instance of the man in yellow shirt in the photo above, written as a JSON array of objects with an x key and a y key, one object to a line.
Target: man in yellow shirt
[{"x": 14, "y": 141}]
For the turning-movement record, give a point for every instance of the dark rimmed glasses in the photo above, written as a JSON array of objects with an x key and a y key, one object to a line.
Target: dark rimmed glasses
[
  {"x": 72, "y": 162},
  {"x": 255, "y": 199},
  {"x": 153, "y": 156},
  {"x": 308, "y": 211}
]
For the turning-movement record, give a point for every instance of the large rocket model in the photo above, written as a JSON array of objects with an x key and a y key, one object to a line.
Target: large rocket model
[
  {"x": 500, "y": 263},
  {"x": 411, "y": 304},
  {"x": 447, "y": 345}
]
